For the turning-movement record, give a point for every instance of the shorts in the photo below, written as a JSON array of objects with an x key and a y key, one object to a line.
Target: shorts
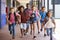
[
  {"x": 38, "y": 18},
  {"x": 33, "y": 21},
  {"x": 23, "y": 26}
]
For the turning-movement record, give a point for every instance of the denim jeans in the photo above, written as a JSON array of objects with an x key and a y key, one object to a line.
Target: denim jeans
[
  {"x": 49, "y": 32},
  {"x": 28, "y": 23},
  {"x": 12, "y": 28}
]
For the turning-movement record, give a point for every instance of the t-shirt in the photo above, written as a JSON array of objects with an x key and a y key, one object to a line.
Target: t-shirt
[
  {"x": 12, "y": 18},
  {"x": 23, "y": 17},
  {"x": 33, "y": 16},
  {"x": 43, "y": 15},
  {"x": 49, "y": 24},
  {"x": 28, "y": 12}
]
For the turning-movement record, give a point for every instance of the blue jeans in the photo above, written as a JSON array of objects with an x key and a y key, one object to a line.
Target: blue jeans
[
  {"x": 28, "y": 23},
  {"x": 49, "y": 32},
  {"x": 12, "y": 28}
]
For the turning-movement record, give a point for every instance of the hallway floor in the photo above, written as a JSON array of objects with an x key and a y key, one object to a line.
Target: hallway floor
[{"x": 4, "y": 34}]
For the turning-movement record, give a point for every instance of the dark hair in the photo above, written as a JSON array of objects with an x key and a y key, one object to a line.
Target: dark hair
[
  {"x": 32, "y": 6},
  {"x": 11, "y": 8},
  {"x": 27, "y": 4},
  {"x": 48, "y": 13},
  {"x": 19, "y": 8},
  {"x": 43, "y": 7}
]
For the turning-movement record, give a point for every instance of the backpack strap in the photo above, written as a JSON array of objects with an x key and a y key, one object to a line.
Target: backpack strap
[
  {"x": 9, "y": 16},
  {"x": 15, "y": 16}
]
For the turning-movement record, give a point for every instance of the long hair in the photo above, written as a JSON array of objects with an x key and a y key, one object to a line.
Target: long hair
[{"x": 19, "y": 8}]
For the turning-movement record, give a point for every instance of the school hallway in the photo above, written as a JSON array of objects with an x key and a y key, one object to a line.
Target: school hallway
[{"x": 4, "y": 34}]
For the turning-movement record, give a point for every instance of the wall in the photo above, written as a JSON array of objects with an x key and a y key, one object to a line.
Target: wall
[
  {"x": 3, "y": 13},
  {"x": 57, "y": 8}
]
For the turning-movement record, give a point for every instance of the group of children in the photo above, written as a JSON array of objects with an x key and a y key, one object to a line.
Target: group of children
[{"x": 31, "y": 17}]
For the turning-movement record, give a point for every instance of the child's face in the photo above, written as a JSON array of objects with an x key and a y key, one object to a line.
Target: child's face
[
  {"x": 43, "y": 9},
  {"x": 50, "y": 14},
  {"x": 12, "y": 10},
  {"x": 22, "y": 9},
  {"x": 28, "y": 6},
  {"x": 34, "y": 8}
]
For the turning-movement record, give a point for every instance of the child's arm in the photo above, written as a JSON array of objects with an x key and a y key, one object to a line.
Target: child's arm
[
  {"x": 44, "y": 22},
  {"x": 39, "y": 15},
  {"x": 54, "y": 22}
]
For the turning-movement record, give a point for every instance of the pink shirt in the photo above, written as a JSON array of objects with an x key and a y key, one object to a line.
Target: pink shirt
[
  {"x": 37, "y": 11},
  {"x": 12, "y": 18}
]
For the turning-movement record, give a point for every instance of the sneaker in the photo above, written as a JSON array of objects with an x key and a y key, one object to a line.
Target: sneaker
[
  {"x": 10, "y": 32},
  {"x": 44, "y": 35},
  {"x": 38, "y": 32},
  {"x": 13, "y": 37},
  {"x": 34, "y": 37},
  {"x": 41, "y": 30},
  {"x": 25, "y": 33}
]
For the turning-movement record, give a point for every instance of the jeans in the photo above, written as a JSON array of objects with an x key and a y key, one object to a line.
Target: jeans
[
  {"x": 49, "y": 32},
  {"x": 12, "y": 28},
  {"x": 27, "y": 24}
]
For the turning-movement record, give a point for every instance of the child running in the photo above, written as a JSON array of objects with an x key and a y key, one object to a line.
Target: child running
[
  {"x": 49, "y": 24},
  {"x": 23, "y": 19},
  {"x": 33, "y": 21},
  {"x": 12, "y": 21}
]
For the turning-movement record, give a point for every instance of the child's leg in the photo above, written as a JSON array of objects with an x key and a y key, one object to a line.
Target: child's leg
[
  {"x": 25, "y": 28},
  {"x": 21, "y": 32},
  {"x": 34, "y": 26},
  {"x": 10, "y": 28},
  {"x": 50, "y": 33},
  {"x": 21, "y": 28},
  {"x": 38, "y": 25},
  {"x": 31, "y": 25},
  {"x": 44, "y": 31},
  {"x": 13, "y": 30},
  {"x": 41, "y": 26}
]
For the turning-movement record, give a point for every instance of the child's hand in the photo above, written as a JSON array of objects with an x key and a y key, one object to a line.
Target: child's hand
[
  {"x": 32, "y": 15},
  {"x": 10, "y": 23}
]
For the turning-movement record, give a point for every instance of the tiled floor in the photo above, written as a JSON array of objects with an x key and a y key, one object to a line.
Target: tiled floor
[{"x": 4, "y": 34}]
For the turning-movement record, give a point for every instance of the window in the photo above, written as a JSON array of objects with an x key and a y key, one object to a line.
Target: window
[
  {"x": 56, "y": 1},
  {"x": 35, "y": 3}
]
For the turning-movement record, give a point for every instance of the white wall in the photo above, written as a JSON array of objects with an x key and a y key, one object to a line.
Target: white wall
[
  {"x": 46, "y": 4},
  {"x": 57, "y": 11},
  {"x": 57, "y": 8}
]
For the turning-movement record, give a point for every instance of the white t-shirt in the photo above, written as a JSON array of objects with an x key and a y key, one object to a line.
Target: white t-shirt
[{"x": 49, "y": 24}]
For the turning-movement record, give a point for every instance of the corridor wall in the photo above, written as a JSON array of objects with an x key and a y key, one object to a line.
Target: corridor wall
[{"x": 3, "y": 13}]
